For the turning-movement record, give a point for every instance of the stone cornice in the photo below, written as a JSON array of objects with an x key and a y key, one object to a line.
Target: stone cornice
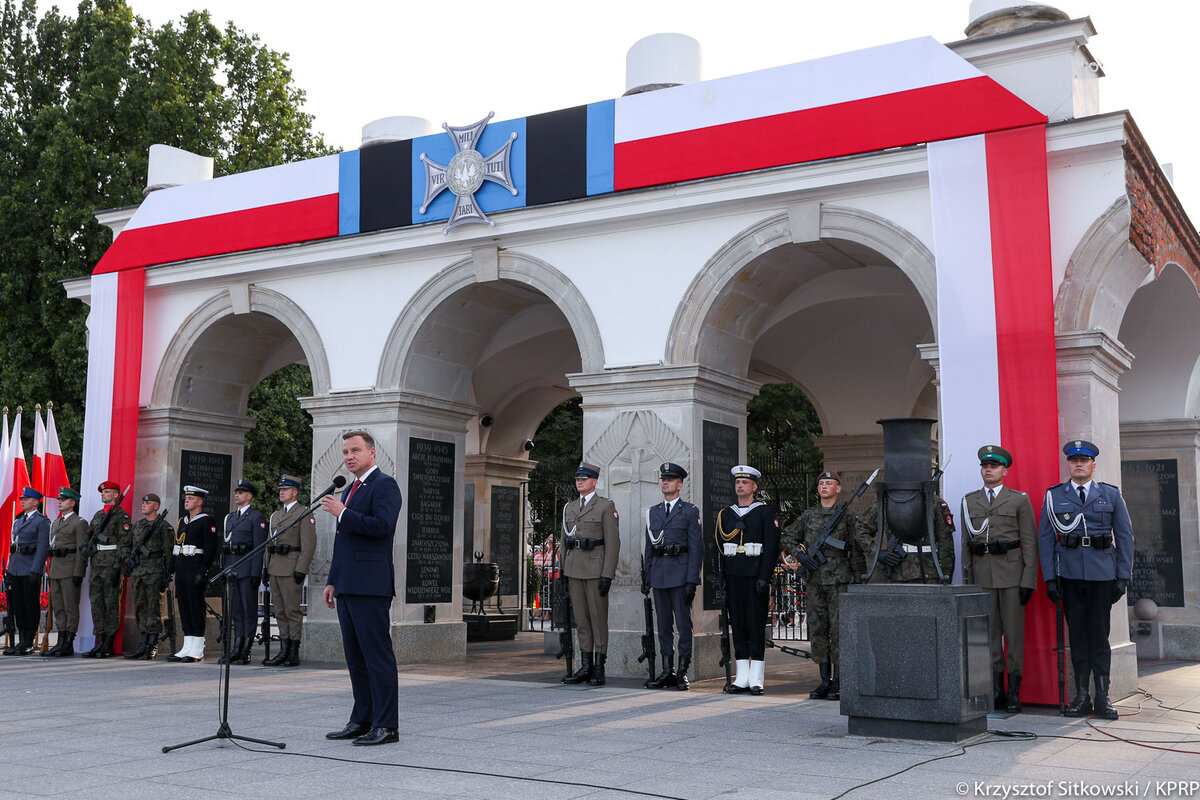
[
  {"x": 384, "y": 407},
  {"x": 1092, "y": 353},
  {"x": 177, "y": 422},
  {"x": 650, "y": 385}
]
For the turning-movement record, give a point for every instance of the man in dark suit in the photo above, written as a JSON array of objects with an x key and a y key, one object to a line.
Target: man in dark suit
[
  {"x": 26, "y": 562},
  {"x": 673, "y": 552},
  {"x": 362, "y": 578},
  {"x": 1085, "y": 540}
]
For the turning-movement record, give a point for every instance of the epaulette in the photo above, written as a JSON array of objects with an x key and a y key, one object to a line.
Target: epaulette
[{"x": 1109, "y": 485}]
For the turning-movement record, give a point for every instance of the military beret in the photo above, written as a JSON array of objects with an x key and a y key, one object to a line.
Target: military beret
[
  {"x": 586, "y": 470},
  {"x": 194, "y": 491},
  {"x": 289, "y": 482},
  {"x": 67, "y": 491},
  {"x": 669, "y": 470},
  {"x": 1080, "y": 448},
  {"x": 108, "y": 485},
  {"x": 829, "y": 475},
  {"x": 746, "y": 471},
  {"x": 29, "y": 491},
  {"x": 244, "y": 485},
  {"x": 995, "y": 454},
  {"x": 151, "y": 498}
]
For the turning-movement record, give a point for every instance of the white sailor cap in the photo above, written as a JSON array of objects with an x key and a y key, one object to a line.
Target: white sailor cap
[
  {"x": 746, "y": 471},
  {"x": 195, "y": 491}
]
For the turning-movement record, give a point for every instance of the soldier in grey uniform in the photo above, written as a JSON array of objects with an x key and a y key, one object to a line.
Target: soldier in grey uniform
[
  {"x": 286, "y": 568},
  {"x": 673, "y": 554},
  {"x": 107, "y": 535},
  {"x": 30, "y": 546},
  {"x": 245, "y": 529},
  {"x": 591, "y": 544},
  {"x": 148, "y": 565},
  {"x": 1085, "y": 540},
  {"x": 67, "y": 568},
  {"x": 999, "y": 553},
  {"x": 826, "y": 581}
]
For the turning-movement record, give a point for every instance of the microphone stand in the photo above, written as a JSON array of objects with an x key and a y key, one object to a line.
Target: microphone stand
[{"x": 223, "y": 729}]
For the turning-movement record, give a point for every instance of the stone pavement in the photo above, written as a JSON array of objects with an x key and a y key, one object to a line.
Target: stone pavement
[{"x": 95, "y": 729}]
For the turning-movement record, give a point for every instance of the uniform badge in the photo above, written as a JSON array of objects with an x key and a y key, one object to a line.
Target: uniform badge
[
  {"x": 1066, "y": 517},
  {"x": 312, "y": 520},
  {"x": 614, "y": 513},
  {"x": 262, "y": 525},
  {"x": 213, "y": 529},
  {"x": 126, "y": 526}
]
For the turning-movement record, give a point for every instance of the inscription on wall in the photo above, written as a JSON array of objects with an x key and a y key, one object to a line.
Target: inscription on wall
[
  {"x": 429, "y": 566},
  {"x": 1151, "y": 491}
]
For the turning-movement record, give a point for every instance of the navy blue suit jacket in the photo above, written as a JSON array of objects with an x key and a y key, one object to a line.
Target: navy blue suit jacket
[{"x": 362, "y": 547}]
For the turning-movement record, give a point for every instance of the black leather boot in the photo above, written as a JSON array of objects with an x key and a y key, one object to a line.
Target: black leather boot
[
  {"x": 584, "y": 673},
  {"x": 822, "y": 690},
  {"x": 293, "y": 653},
  {"x": 666, "y": 678},
  {"x": 597, "y": 678},
  {"x": 1102, "y": 707},
  {"x": 25, "y": 645},
  {"x": 1012, "y": 701},
  {"x": 108, "y": 651},
  {"x": 835, "y": 683},
  {"x": 53, "y": 651},
  {"x": 280, "y": 658},
  {"x": 1081, "y": 706},
  {"x": 151, "y": 648},
  {"x": 998, "y": 689},
  {"x": 243, "y": 654},
  {"x": 68, "y": 644},
  {"x": 141, "y": 650},
  {"x": 96, "y": 648},
  {"x": 681, "y": 678}
]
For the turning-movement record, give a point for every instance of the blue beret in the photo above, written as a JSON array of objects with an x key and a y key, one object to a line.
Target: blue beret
[{"x": 1078, "y": 447}]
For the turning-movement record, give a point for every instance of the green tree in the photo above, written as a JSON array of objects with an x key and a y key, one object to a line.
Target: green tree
[
  {"x": 81, "y": 100},
  {"x": 558, "y": 449},
  {"x": 281, "y": 442},
  {"x": 781, "y": 424}
]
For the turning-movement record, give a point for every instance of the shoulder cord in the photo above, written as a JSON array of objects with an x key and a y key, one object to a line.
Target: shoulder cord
[
  {"x": 971, "y": 529},
  {"x": 1060, "y": 527}
]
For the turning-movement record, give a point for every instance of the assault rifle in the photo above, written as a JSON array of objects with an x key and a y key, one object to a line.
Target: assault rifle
[
  {"x": 648, "y": 653},
  {"x": 560, "y": 617},
  {"x": 816, "y": 552}
]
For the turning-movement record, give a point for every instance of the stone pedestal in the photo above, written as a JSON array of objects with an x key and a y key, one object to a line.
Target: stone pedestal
[{"x": 915, "y": 661}]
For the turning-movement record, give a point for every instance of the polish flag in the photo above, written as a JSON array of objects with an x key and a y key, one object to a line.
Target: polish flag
[
  {"x": 17, "y": 480},
  {"x": 54, "y": 475},
  {"x": 5, "y": 490},
  {"x": 39, "y": 450}
]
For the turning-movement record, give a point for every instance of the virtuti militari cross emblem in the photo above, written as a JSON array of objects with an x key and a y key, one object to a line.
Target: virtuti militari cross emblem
[{"x": 466, "y": 172}]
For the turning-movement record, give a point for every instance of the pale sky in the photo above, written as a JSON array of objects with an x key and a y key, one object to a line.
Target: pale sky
[{"x": 359, "y": 60}]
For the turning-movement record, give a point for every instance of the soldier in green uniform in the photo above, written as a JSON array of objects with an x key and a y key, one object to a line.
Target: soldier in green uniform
[
  {"x": 107, "y": 536},
  {"x": 914, "y": 562},
  {"x": 148, "y": 565},
  {"x": 67, "y": 568},
  {"x": 825, "y": 582},
  {"x": 286, "y": 568}
]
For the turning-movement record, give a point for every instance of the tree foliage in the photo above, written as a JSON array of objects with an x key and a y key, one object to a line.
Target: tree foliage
[
  {"x": 81, "y": 100},
  {"x": 558, "y": 449},
  {"x": 281, "y": 442}
]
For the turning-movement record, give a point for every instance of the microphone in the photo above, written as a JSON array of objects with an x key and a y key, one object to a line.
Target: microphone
[{"x": 338, "y": 482}]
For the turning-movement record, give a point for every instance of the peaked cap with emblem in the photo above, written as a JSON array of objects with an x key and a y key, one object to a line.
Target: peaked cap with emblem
[
  {"x": 586, "y": 470},
  {"x": 745, "y": 471},
  {"x": 244, "y": 485},
  {"x": 994, "y": 454},
  {"x": 289, "y": 482},
  {"x": 194, "y": 491},
  {"x": 1079, "y": 448},
  {"x": 669, "y": 470}
]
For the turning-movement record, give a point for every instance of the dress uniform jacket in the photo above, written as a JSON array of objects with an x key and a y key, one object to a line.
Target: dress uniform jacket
[
  {"x": 66, "y": 553},
  {"x": 675, "y": 560},
  {"x": 30, "y": 544},
  {"x": 758, "y": 526},
  {"x": 300, "y": 541},
  {"x": 244, "y": 530},
  {"x": 1104, "y": 513},
  {"x": 596, "y": 521},
  {"x": 1009, "y": 524}
]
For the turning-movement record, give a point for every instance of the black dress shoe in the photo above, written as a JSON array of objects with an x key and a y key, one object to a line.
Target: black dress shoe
[
  {"x": 351, "y": 731},
  {"x": 379, "y": 736},
  {"x": 756, "y": 690}
]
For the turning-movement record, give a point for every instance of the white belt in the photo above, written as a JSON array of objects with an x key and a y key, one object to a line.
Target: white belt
[
  {"x": 187, "y": 550},
  {"x": 916, "y": 548},
  {"x": 751, "y": 549},
  {"x": 106, "y": 547}
]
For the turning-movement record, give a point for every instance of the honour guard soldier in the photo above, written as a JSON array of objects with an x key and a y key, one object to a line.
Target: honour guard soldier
[
  {"x": 30, "y": 547},
  {"x": 245, "y": 529},
  {"x": 747, "y": 550},
  {"x": 194, "y": 551},
  {"x": 67, "y": 568},
  {"x": 148, "y": 566},
  {"x": 999, "y": 553},
  {"x": 590, "y": 547},
  {"x": 913, "y": 563},
  {"x": 673, "y": 553},
  {"x": 287, "y": 563},
  {"x": 1085, "y": 540},
  {"x": 826, "y": 581},
  {"x": 108, "y": 534}
]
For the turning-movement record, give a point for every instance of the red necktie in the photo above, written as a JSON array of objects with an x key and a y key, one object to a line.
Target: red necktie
[{"x": 353, "y": 488}]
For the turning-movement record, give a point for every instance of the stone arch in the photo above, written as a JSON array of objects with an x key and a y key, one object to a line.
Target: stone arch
[
  {"x": 267, "y": 303},
  {"x": 480, "y": 268}
]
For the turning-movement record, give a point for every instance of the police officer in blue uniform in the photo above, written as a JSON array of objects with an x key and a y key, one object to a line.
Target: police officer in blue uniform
[
  {"x": 245, "y": 529},
  {"x": 673, "y": 553},
  {"x": 1085, "y": 540},
  {"x": 30, "y": 547}
]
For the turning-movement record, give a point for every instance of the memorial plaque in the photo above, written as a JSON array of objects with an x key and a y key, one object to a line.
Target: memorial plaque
[
  {"x": 429, "y": 566},
  {"x": 1151, "y": 492},
  {"x": 506, "y": 536},
  {"x": 211, "y": 471},
  {"x": 720, "y": 456}
]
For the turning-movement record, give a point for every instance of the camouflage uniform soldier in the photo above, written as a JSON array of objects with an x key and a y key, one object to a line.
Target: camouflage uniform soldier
[
  {"x": 148, "y": 565},
  {"x": 67, "y": 568},
  {"x": 107, "y": 536},
  {"x": 913, "y": 563},
  {"x": 287, "y": 564},
  {"x": 827, "y": 581}
]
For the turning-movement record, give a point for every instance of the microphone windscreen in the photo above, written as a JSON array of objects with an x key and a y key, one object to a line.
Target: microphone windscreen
[{"x": 339, "y": 481}]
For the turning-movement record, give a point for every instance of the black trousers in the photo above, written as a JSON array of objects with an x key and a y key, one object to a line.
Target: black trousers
[
  {"x": 747, "y": 617},
  {"x": 366, "y": 626},
  {"x": 245, "y": 606},
  {"x": 668, "y": 604},
  {"x": 190, "y": 598},
  {"x": 23, "y": 600},
  {"x": 1087, "y": 606}
]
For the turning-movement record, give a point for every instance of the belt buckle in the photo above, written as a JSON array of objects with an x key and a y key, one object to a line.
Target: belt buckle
[{"x": 1085, "y": 541}]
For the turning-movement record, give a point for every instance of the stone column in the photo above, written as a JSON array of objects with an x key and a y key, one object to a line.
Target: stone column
[
  {"x": 633, "y": 420},
  {"x": 485, "y": 471},
  {"x": 421, "y": 631},
  {"x": 1090, "y": 363}
]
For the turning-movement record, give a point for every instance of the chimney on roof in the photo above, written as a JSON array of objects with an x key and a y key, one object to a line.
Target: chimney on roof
[
  {"x": 661, "y": 60},
  {"x": 394, "y": 129},
  {"x": 990, "y": 17},
  {"x": 171, "y": 166}
]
